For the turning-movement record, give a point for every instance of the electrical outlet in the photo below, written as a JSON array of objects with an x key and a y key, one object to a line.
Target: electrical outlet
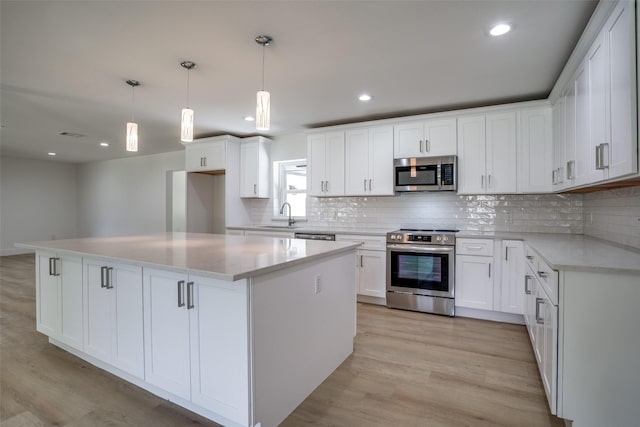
[{"x": 317, "y": 284}]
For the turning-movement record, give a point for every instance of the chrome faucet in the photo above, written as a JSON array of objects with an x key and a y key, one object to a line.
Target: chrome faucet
[{"x": 291, "y": 220}]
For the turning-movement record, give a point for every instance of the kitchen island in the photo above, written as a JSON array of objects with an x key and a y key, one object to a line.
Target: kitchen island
[{"x": 238, "y": 329}]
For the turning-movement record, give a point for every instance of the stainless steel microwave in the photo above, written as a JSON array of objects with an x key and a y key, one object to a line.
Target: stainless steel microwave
[{"x": 425, "y": 174}]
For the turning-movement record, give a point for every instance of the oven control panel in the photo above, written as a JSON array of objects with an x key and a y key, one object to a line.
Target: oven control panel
[{"x": 421, "y": 238}]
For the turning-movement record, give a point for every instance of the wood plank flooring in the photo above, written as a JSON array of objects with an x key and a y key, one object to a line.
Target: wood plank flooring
[{"x": 408, "y": 369}]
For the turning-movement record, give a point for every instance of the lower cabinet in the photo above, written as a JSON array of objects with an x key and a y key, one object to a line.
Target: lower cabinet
[
  {"x": 113, "y": 314},
  {"x": 193, "y": 353},
  {"x": 512, "y": 276},
  {"x": 475, "y": 271},
  {"x": 371, "y": 265},
  {"x": 59, "y": 297}
]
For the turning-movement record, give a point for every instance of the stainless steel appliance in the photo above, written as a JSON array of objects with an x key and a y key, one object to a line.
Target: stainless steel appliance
[
  {"x": 425, "y": 174},
  {"x": 315, "y": 236},
  {"x": 421, "y": 270}
]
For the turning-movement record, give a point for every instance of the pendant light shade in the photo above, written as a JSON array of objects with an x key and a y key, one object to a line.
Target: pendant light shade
[
  {"x": 187, "y": 117},
  {"x": 263, "y": 110},
  {"x": 131, "y": 137},
  {"x": 263, "y": 98}
]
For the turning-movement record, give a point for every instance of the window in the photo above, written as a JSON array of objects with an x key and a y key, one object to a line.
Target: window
[{"x": 291, "y": 187}]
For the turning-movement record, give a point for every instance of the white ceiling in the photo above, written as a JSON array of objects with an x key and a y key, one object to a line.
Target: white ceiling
[{"x": 64, "y": 64}]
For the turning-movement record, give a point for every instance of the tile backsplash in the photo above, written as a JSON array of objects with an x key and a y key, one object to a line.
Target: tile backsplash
[
  {"x": 613, "y": 215},
  {"x": 545, "y": 213}
]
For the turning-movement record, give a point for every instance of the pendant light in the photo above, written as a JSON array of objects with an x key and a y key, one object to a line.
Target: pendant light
[
  {"x": 132, "y": 126},
  {"x": 186, "y": 123},
  {"x": 263, "y": 105}
]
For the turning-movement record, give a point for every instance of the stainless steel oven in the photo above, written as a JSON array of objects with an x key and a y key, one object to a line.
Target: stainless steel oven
[{"x": 421, "y": 270}]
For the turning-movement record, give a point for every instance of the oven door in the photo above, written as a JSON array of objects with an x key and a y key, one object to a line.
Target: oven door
[{"x": 421, "y": 270}]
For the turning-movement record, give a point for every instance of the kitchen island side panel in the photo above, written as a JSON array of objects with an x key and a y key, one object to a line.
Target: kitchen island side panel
[{"x": 302, "y": 331}]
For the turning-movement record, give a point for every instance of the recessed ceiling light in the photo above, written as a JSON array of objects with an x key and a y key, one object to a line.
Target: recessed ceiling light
[
  {"x": 364, "y": 97},
  {"x": 500, "y": 29},
  {"x": 51, "y": 154},
  {"x": 248, "y": 118},
  {"x": 104, "y": 144}
]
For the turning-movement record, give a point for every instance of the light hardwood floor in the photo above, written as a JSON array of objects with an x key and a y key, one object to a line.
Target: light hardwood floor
[{"x": 408, "y": 369}]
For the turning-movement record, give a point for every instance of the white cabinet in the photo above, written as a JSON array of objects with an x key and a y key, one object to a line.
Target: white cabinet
[
  {"x": 487, "y": 154},
  {"x": 193, "y": 353},
  {"x": 325, "y": 163},
  {"x": 255, "y": 168},
  {"x": 205, "y": 156},
  {"x": 474, "y": 273},
  {"x": 425, "y": 138},
  {"x": 512, "y": 277},
  {"x": 113, "y": 314},
  {"x": 59, "y": 297},
  {"x": 371, "y": 265},
  {"x": 558, "y": 172},
  {"x": 369, "y": 161},
  {"x": 535, "y": 151}
]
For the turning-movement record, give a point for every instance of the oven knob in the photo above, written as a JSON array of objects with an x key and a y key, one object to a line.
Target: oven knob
[
  {"x": 444, "y": 238},
  {"x": 393, "y": 237},
  {"x": 438, "y": 238}
]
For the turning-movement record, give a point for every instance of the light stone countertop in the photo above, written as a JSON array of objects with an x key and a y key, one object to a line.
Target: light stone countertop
[
  {"x": 214, "y": 255},
  {"x": 574, "y": 252},
  {"x": 301, "y": 228}
]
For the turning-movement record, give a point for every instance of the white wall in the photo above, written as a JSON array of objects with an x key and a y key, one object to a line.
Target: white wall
[
  {"x": 289, "y": 147},
  {"x": 37, "y": 201},
  {"x": 125, "y": 196},
  {"x": 613, "y": 215}
]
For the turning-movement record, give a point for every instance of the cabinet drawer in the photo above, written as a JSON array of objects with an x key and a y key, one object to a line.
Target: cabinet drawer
[
  {"x": 548, "y": 280},
  {"x": 483, "y": 247},
  {"x": 375, "y": 243}
]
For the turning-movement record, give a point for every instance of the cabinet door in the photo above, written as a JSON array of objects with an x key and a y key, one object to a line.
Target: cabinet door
[
  {"x": 98, "y": 307},
  {"x": 316, "y": 159},
  {"x": 219, "y": 347},
  {"x": 48, "y": 296},
  {"x": 512, "y": 291},
  {"x": 535, "y": 154},
  {"x": 474, "y": 282},
  {"x": 440, "y": 137},
  {"x": 408, "y": 140},
  {"x": 205, "y": 156},
  {"x": 550, "y": 356},
  {"x": 501, "y": 153},
  {"x": 372, "y": 273},
  {"x": 249, "y": 169},
  {"x": 166, "y": 332},
  {"x": 623, "y": 158},
  {"x": 127, "y": 319},
  {"x": 334, "y": 185},
  {"x": 380, "y": 161},
  {"x": 357, "y": 162},
  {"x": 582, "y": 148},
  {"x": 471, "y": 155},
  {"x": 71, "y": 301},
  {"x": 597, "y": 59},
  {"x": 569, "y": 134},
  {"x": 558, "y": 123}
]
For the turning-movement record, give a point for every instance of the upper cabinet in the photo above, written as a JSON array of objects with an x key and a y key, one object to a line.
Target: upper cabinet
[
  {"x": 255, "y": 166},
  {"x": 205, "y": 156},
  {"x": 535, "y": 151},
  {"x": 369, "y": 161},
  {"x": 487, "y": 154},
  {"x": 325, "y": 163},
  {"x": 425, "y": 138}
]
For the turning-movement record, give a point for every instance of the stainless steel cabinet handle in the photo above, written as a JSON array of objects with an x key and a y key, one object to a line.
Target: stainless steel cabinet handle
[
  {"x": 103, "y": 277},
  {"x": 205, "y": 161},
  {"x": 180, "y": 293},
  {"x": 109, "y": 278},
  {"x": 527, "y": 279},
  {"x": 361, "y": 261},
  {"x": 365, "y": 184},
  {"x": 599, "y": 156},
  {"x": 326, "y": 186},
  {"x": 427, "y": 146},
  {"x": 255, "y": 186},
  {"x": 51, "y": 267},
  {"x": 421, "y": 146},
  {"x": 604, "y": 155},
  {"x": 369, "y": 184},
  {"x": 571, "y": 169},
  {"x": 482, "y": 182},
  {"x": 190, "y": 303},
  {"x": 489, "y": 269},
  {"x": 506, "y": 253},
  {"x": 490, "y": 184},
  {"x": 529, "y": 257},
  {"x": 543, "y": 274},
  {"x": 539, "y": 320}
]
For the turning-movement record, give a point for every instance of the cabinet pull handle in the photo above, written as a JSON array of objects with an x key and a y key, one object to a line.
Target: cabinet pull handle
[
  {"x": 527, "y": 278},
  {"x": 180, "y": 293},
  {"x": 190, "y": 304},
  {"x": 482, "y": 182},
  {"x": 604, "y": 156},
  {"x": 421, "y": 146},
  {"x": 103, "y": 277},
  {"x": 427, "y": 146},
  {"x": 543, "y": 274},
  {"x": 570, "y": 169},
  {"x": 529, "y": 257},
  {"x": 55, "y": 267},
  {"x": 109, "y": 278},
  {"x": 489, "y": 269},
  {"x": 365, "y": 184},
  {"x": 51, "y": 266},
  {"x": 326, "y": 186},
  {"x": 539, "y": 320},
  {"x": 205, "y": 161},
  {"x": 599, "y": 156},
  {"x": 489, "y": 183},
  {"x": 369, "y": 184},
  {"x": 361, "y": 261},
  {"x": 506, "y": 253},
  {"x": 254, "y": 188}
]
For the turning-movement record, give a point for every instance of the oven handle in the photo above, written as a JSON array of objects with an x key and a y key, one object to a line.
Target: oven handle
[{"x": 425, "y": 249}]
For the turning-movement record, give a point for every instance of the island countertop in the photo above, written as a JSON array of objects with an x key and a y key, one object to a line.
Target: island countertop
[{"x": 221, "y": 256}]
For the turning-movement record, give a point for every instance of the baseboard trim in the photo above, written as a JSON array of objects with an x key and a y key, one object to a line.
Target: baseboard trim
[{"x": 496, "y": 316}]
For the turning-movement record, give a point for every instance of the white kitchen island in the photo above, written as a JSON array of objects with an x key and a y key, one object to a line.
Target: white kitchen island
[{"x": 238, "y": 329}]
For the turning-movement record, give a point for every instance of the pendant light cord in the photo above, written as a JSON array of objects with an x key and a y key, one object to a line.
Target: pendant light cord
[
  {"x": 263, "y": 46},
  {"x": 188, "y": 70},
  {"x": 133, "y": 102}
]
